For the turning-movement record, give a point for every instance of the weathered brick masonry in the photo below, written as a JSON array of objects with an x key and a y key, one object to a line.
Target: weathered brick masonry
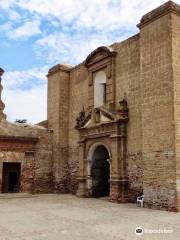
[
  {"x": 31, "y": 147},
  {"x": 143, "y": 142},
  {"x": 113, "y": 122}
]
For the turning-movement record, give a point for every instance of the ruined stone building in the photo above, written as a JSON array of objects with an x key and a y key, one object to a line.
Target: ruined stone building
[
  {"x": 113, "y": 126},
  {"x": 25, "y": 156}
]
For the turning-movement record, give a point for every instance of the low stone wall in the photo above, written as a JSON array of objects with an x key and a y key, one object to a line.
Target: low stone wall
[{"x": 31, "y": 146}]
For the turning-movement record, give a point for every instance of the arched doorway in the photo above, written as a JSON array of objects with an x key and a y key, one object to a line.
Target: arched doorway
[{"x": 100, "y": 172}]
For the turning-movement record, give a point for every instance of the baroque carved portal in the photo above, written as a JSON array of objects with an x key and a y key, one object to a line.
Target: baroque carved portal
[
  {"x": 98, "y": 129},
  {"x": 102, "y": 133}
]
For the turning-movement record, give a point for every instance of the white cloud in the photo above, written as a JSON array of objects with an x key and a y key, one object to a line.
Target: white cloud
[
  {"x": 26, "y": 104},
  {"x": 83, "y": 25},
  {"x": 29, "y": 78},
  {"x": 60, "y": 47},
  {"x": 67, "y": 31},
  {"x": 25, "y": 94},
  {"x": 6, "y": 27},
  {"x": 26, "y": 30},
  {"x": 97, "y": 14},
  {"x": 14, "y": 15},
  {"x": 6, "y": 4}
]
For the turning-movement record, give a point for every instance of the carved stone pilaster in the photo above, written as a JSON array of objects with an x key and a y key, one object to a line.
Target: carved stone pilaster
[
  {"x": 2, "y": 105},
  {"x": 81, "y": 192},
  {"x": 80, "y": 119}
]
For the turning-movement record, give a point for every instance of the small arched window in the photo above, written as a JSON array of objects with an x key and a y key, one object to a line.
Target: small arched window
[{"x": 99, "y": 89}]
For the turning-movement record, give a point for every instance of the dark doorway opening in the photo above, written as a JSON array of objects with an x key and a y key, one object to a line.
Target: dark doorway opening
[
  {"x": 11, "y": 177},
  {"x": 100, "y": 172}
]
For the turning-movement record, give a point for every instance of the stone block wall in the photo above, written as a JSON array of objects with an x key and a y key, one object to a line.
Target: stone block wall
[
  {"x": 43, "y": 175},
  {"x": 78, "y": 99},
  {"x": 159, "y": 180},
  {"x": 31, "y": 146},
  {"x": 127, "y": 67},
  {"x": 127, "y": 84},
  {"x": 58, "y": 120},
  {"x": 67, "y": 95},
  {"x": 175, "y": 23},
  {"x": 147, "y": 75}
]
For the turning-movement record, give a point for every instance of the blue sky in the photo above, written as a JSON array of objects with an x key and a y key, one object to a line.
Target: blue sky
[{"x": 37, "y": 34}]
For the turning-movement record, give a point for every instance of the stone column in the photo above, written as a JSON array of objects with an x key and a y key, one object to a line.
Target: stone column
[
  {"x": 81, "y": 192},
  {"x": 2, "y": 106},
  {"x": 118, "y": 181}
]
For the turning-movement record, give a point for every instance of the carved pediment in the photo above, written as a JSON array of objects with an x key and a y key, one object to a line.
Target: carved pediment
[
  {"x": 102, "y": 115},
  {"x": 98, "y": 55},
  {"x": 91, "y": 118}
]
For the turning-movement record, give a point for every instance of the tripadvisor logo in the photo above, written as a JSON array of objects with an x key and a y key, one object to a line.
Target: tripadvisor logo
[{"x": 139, "y": 231}]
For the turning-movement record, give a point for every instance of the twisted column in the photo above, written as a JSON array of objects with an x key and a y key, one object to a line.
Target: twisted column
[{"x": 2, "y": 105}]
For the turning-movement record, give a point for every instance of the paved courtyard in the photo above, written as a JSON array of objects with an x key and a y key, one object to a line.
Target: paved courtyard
[{"x": 66, "y": 217}]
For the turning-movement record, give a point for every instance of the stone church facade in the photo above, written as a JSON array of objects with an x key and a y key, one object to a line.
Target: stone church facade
[{"x": 113, "y": 126}]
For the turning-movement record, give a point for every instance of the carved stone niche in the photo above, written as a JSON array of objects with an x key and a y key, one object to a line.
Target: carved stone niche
[{"x": 100, "y": 58}]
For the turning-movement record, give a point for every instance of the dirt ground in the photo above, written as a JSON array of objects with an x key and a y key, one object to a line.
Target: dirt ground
[{"x": 66, "y": 217}]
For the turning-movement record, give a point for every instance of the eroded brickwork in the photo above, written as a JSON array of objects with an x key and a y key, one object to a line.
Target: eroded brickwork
[
  {"x": 144, "y": 71},
  {"x": 176, "y": 76},
  {"x": 31, "y": 146},
  {"x": 128, "y": 85},
  {"x": 58, "y": 120},
  {"x": 78, "y": 100},
  {"x": 157, "y": 113}
]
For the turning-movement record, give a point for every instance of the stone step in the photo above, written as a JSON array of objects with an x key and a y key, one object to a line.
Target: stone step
[{"x": 16, "y": 195}]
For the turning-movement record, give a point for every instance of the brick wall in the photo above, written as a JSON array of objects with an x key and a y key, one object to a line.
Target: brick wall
[
  {"x": 176, "y": 76},
  {"x": 78, "y": 100},
  {"x": 32, "y": 147},
  {"x": 58, "y": 120},
  {"x": 157, "y": 113},
  {"x": 128, "y": 85},
  {"x": 146, "y": 74}
]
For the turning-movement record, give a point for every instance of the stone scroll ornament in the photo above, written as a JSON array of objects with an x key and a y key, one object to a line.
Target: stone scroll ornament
[
  {"x": 123, "y": 108},
  {"x": 80, "y": 119},
  {"x": 2, "y": 105},
  {"x": 83, "y": 118}
]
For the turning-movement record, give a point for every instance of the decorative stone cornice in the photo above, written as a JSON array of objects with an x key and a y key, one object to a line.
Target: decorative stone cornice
[
  {"x": 101, "y": 116},
  {"x": 59, "y": 67},
  {"x": 99, "y": 54},
  {"x": 2, "y": 106},
  {"x": 158, "y": 12}
]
